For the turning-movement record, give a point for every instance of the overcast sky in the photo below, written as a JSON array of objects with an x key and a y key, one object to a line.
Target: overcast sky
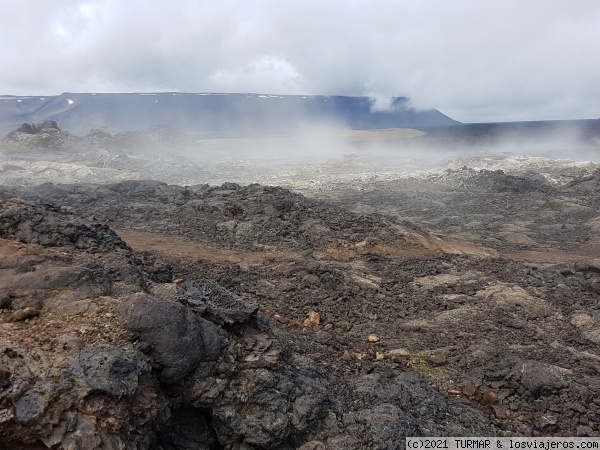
[{"x": 474, "y": 60}]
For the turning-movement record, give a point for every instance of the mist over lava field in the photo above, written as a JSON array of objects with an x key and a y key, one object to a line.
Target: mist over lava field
[
  {"x": 330, "y": 284},
  {"x": 298, "y": 225}
]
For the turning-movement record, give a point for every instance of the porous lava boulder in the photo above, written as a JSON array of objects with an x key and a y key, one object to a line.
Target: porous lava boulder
[
  {"x": 217, "y": 304},
  {"x": 176, "y": 338},
  {"x": 97, "y": 397}
]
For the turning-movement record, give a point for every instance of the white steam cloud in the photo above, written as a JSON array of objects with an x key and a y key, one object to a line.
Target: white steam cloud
[{"x": 473, "y": 60}]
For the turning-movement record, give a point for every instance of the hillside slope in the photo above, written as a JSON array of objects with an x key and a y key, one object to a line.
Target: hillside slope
[{"x": 209, "y": 113}]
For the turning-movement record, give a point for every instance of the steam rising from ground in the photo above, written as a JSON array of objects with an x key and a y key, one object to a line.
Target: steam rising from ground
[
  {"x": 312, "y": 156},
  {"x": 318, "y": 156},
  {"x": 318, "y": 143}
]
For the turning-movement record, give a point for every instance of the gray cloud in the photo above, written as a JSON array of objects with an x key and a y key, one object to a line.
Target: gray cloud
[{"x": 473, "y": 60}]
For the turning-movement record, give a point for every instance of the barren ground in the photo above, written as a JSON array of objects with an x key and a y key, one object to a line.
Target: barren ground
[{"x": 480, "y": 274}]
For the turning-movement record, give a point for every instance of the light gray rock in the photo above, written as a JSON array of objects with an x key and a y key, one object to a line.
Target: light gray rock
[{"x": 539, "y": 378}]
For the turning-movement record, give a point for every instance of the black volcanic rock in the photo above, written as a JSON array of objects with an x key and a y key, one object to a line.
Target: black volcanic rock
[
  {"x": 252, "y": 217},
  {"x": 178, "y": 355},
  {"x": 36, "y": 128},
  {"x": 217, "y": 304},
  {"x": 211, "y": 113},
  {"x": 54, "y": 227},
  {"x": 40, "y": 136},
  {"x": 182, "y": 340}
]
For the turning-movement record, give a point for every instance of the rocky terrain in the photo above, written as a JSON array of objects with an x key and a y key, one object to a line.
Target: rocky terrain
[{"x": 373, "y": 297}]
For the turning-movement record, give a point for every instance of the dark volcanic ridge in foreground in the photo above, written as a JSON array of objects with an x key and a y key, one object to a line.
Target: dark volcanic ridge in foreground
[
  {"x": 317, "y": 325},
  {"x": 253, "y": 217}
]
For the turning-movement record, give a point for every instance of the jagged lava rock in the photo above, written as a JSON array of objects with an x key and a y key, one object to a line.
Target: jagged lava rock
[{"x": 54, "y": 226}]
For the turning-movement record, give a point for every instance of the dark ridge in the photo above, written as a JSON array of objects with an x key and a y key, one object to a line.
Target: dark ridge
[
  {"x": 210, "y": 113},
  {"x": 586, "y": 131}
]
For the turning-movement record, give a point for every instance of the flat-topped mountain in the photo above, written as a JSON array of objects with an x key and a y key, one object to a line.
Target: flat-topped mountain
[{"x": 210, "y": 113}]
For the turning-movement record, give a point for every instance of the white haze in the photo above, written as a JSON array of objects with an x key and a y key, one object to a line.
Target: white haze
[
  {"x": 317, "y": 151},
  {"x": 475, "y": 61}
]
